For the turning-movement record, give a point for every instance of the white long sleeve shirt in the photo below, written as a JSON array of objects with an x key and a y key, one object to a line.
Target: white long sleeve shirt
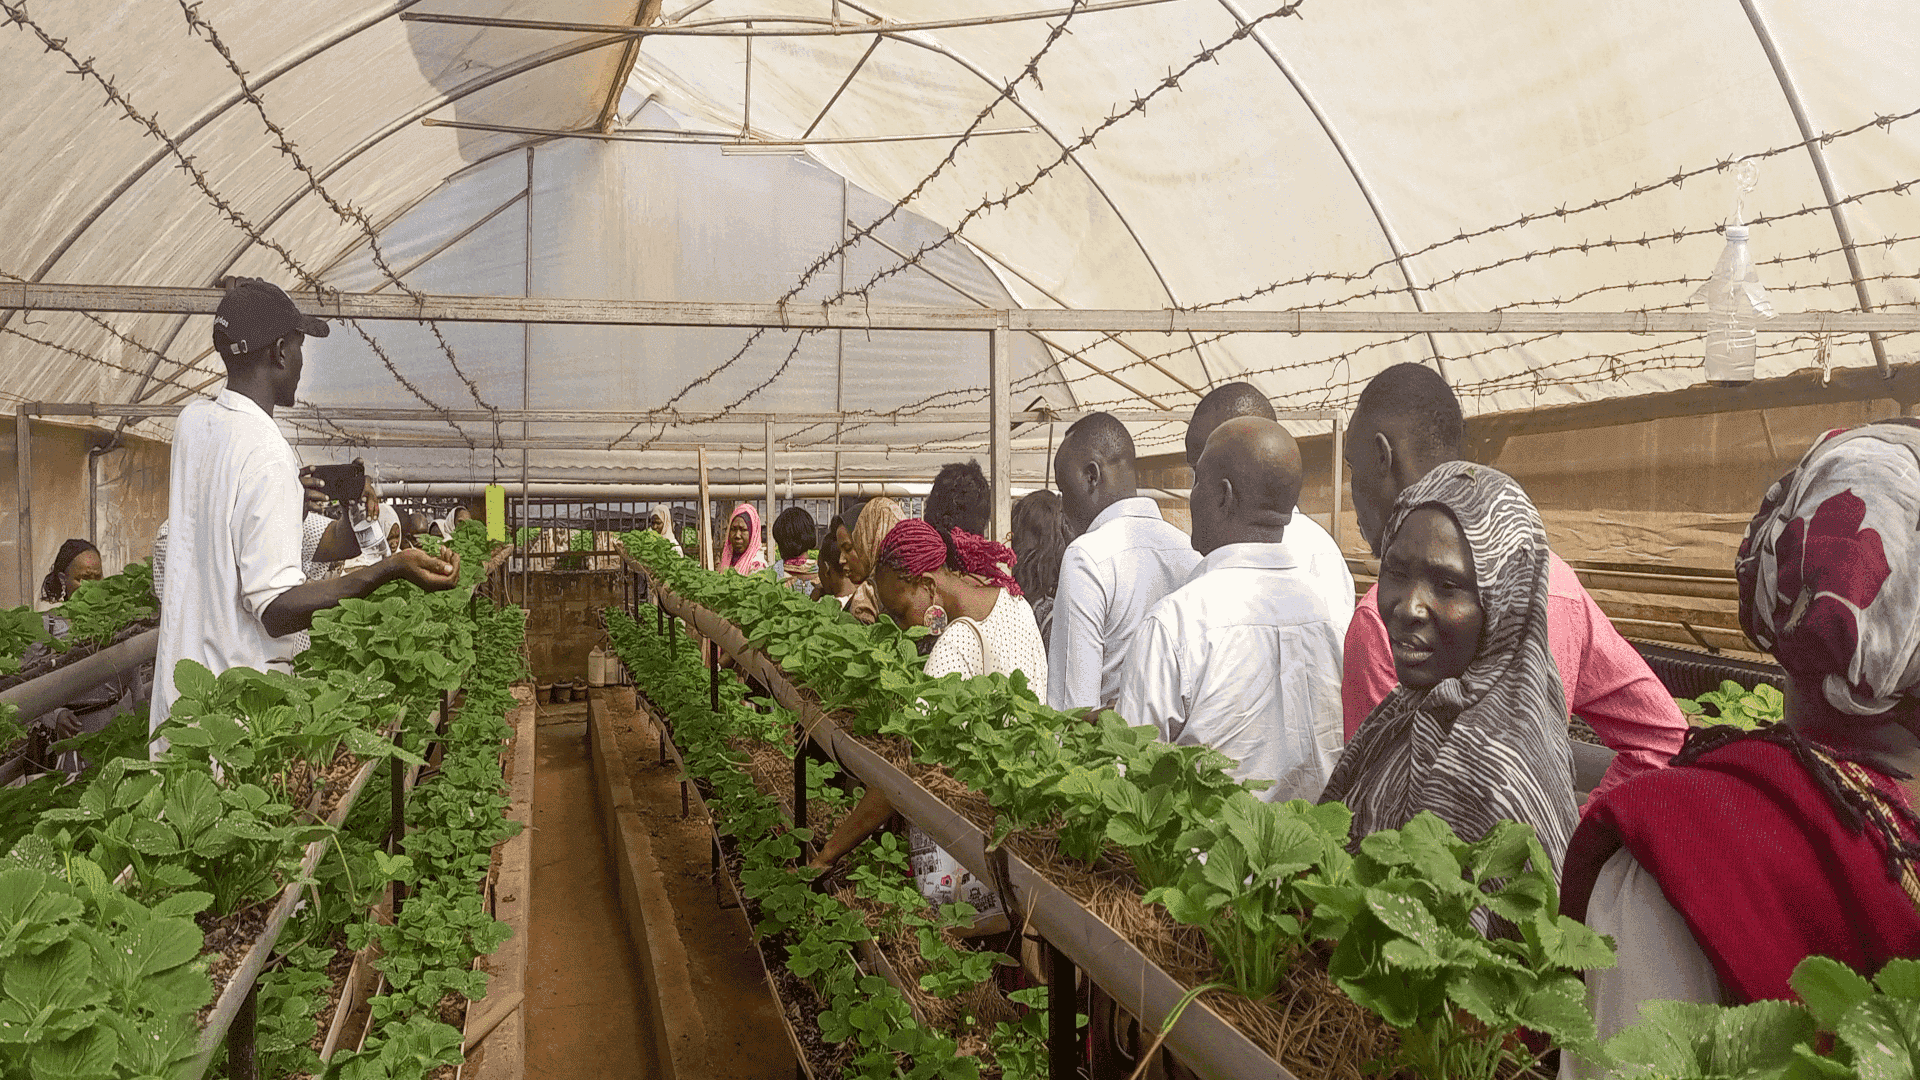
[
  {"x": 1110, "y": 577},
  {"x": 234, "y": 537},
  {"x": 1324, "y": 564},
  {"x": 1244, "y": 658}
]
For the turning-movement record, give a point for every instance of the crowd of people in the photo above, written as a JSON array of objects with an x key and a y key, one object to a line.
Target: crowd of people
[{"x": 1716, "y": 859}]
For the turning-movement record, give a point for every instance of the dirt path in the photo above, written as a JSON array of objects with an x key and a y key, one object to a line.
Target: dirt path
[{"x": 586, "y": 1009}]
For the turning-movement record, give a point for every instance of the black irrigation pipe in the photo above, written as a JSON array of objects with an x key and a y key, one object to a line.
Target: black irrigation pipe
[{"x": 1202, "y": 1039}]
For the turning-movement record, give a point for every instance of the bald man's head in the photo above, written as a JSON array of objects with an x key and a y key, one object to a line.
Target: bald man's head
[
  {"x": 1245, "y": 484},
  {"x": 1221, "y": 404},
  {"x": 1095, "y": 468}
]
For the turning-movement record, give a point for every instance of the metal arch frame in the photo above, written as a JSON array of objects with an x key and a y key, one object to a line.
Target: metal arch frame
[
  {"x": 1046, "y": 129},
  {"x": 1817, "y": 151},
  {"x": 406, "y": 122},
  {"x": 215, "y": 112},
  {"x": 1392, "y": 236}
]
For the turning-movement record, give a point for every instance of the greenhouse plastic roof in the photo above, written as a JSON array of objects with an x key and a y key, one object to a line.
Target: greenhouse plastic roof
[{"x": 1507, "y": 154}]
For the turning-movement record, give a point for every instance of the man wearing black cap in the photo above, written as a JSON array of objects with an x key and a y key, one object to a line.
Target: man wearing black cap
[{"x": 235, "y": 592}]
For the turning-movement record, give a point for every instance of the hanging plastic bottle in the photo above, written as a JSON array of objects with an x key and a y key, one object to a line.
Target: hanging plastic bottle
[{"x": 1736, "y": 298}]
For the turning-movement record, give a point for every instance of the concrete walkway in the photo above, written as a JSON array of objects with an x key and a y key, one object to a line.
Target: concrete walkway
[{"x": 586, "y": 1008}]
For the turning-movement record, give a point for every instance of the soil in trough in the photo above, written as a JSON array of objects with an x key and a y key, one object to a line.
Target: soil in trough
[{"x": 586, "y": 1008}]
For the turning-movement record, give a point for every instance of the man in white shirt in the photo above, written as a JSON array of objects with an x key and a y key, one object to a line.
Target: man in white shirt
[
  {"x": 1126, "y": 558},
  {"x": 1245, "y": 657},
  {"x": 235, "y": 591},
  {"x": 1311, "y": 546}
]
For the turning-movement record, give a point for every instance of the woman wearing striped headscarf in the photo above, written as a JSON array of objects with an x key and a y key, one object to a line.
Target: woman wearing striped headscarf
[
  {"x": 955, "y": 583},
  {"x": 1756, "y": 850},
  {"x": 1476, "y": 731}
]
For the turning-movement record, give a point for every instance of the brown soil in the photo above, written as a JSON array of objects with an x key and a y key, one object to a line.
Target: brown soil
[
  {"x": 226, "y": 943},
  {"x": 585, "y": 999}
]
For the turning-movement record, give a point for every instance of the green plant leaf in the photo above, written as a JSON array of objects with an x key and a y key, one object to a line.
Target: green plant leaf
[{"x": 1829, "y": 989}]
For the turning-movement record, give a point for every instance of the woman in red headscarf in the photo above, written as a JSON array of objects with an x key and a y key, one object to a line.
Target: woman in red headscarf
[
  {"x": 1756, "y": 850},
  {"x": 955, "y": 584}
]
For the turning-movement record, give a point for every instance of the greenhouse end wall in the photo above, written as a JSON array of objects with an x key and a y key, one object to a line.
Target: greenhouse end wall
[{"x": 129, "y": 500}]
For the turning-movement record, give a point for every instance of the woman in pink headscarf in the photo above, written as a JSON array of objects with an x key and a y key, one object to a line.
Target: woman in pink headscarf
[{"x": 742, "y": 552}]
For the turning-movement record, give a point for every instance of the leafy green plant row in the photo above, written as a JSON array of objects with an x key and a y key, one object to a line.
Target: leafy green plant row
[
  {"x": 95, "y": 612},
  {"x": 1734, "y": 705},
  {"x": 813, "y": 930},
  {"x": 1406, "y": 913},
  {"x": 209, "y": 827}
]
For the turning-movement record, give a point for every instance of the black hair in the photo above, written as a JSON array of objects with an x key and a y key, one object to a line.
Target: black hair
[
  {"x": 793, "y": 532},
  {"x": 830, "y": 544},
  {"x": 1229, "y": 400},
  {"x": 1040, "y": 539},
  {"x": 50, "y": 590},
  {"x": 961, "y": 499},
  {"x": 1415, "y": 402},
  {"x": 1102, "y": 435}
]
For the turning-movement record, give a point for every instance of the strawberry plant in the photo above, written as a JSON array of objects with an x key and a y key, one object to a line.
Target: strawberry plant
[
  {"x": 20, "y": 628},
  {"x": 1735, "y": 706},
  {"x": 1410, "y": 919},
  {"x": 99, "y": 609},
  {"x": 93, "y": 983},
  {"x": 1843, "y": 1027}
]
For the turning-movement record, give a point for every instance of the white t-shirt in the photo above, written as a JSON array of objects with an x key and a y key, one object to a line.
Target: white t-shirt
[
  {"x": 1110, "y": 577},
  {"x": 234, "y": 536},
  {"x": 1245, "y": 658}
]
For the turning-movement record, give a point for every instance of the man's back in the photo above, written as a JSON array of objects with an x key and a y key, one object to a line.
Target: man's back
[
  {"x": 234, "y": 541},
  {"x": 1323, "y": 563},
  {"x": 1245, "y": 658},
  {"x": 1110, "y": 577}
]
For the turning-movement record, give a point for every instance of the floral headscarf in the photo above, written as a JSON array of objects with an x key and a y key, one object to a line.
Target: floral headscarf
[
  {"x": 748, "y": 561},
  {"x": 1829, "y": 569}
]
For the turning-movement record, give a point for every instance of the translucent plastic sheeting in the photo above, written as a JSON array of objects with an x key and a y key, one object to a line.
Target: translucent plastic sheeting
[
  {"x": 1326, "y": 145},
  {"x": 1509, "y": 154}
]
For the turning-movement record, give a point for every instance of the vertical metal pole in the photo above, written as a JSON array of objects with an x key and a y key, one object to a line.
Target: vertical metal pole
[
  {"x": 397, "y": 782},
  {"x": 1339, "y": 469},
  {"x": 526, "y": 390},
  {"x": 773, "y": 508},
  {"x": 705, "y": 521},
  {"x": 746, "y": 93},
  {"x": 999, "y": 441},
  {"x": 241, "y": 1062},
  {"x": 840, "y": 356},
  {"x": 799, "y": 777},
  {"x": 23, "y": 488},
  {"x": 1063, "y": 1017}
]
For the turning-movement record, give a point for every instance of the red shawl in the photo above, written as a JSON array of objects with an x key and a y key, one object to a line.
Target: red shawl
[{"x": 1752, "y": 853}]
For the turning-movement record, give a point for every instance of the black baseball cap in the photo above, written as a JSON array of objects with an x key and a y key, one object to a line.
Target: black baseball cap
[{"x": 254, "y": 314}]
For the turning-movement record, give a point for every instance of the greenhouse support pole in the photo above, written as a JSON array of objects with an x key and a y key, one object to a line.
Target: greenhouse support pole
[
  {"x": 704, "y": 525},
  {"x": 1063, "y": 1017},
  {"x": 772, "y": 506},
  {"x": 1339, "y": 465},
  {"x": 1000, "y": 435},
  {"x": 23, "y": 486}
]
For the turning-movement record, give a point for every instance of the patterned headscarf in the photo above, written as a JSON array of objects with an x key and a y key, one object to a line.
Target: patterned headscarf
[
  {"x": 1830, "y": 567},
  {"x": 748, "y": 561},
  {"x": 915, "y": 547},
  {"x": 877, "y": 519},
  {"x": 1490, "y": 745}
]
